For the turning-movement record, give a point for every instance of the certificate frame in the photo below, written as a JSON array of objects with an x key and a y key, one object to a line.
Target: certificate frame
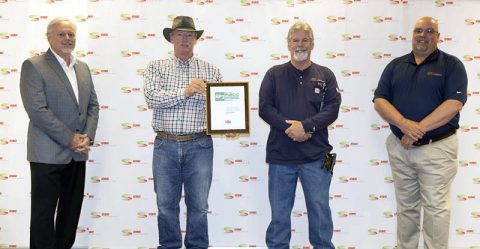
[{"x": 228, "y": 108}]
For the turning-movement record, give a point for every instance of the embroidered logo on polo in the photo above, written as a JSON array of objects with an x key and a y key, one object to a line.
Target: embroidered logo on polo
[{"x": 434, "y": 74}]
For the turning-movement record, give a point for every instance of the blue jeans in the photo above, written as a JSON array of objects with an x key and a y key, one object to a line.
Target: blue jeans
[
  {"x": 282, "y": 184},
  {"x": 189, "y": 163}
]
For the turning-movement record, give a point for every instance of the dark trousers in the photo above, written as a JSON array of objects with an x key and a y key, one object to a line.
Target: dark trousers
[{"x": 55, "y": 187}]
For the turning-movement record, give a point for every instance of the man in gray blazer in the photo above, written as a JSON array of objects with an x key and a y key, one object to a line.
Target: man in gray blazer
[{"x": 60, "y": 100}]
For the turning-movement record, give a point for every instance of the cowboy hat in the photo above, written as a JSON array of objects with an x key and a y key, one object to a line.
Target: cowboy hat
[{"x": 184, "y": 23}]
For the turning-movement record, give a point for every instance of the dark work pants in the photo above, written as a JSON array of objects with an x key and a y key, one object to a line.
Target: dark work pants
[{"x": 55, "y": 187}]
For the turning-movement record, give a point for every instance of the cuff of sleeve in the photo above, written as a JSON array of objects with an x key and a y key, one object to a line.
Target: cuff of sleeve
[
  {"x": 308, "y": 125},
  {"x": 91, "y": 141}
]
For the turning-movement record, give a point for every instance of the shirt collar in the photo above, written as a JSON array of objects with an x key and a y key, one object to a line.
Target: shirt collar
[
  {"x": 432, "y": 57},
  {"x": 73, "y": 59},
  {"x": 181, "y": 63}
]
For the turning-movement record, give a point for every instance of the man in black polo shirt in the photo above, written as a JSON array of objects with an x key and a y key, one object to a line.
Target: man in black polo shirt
[
  {"x": 420, "y": 95},
  {"x": 299, "y": 99}
]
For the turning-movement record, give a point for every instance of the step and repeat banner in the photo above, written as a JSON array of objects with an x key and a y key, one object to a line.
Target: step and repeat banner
[{"x": 244, "y": 38}]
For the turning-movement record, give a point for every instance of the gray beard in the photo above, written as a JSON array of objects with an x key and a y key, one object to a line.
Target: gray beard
[{"x": 300, "y": 56}]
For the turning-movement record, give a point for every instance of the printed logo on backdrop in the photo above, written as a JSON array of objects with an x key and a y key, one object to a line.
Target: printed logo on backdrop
[
  {"x": 395, "y": 37},
  {"x": 351, "y": 37},
  {"x": 132, "y": 232},
  {"x": 142, "y": 108},
  {"x": 246, "y": 144},
  {"x": 389, "y": 214},
  {"x": 473, "y": 93},
  {"x": 469, "y": 57},
  {"x": 145, "y": 214},
  {"x": 36, "y": 18},
  {"x": 466, "y": 163},
  {"x": 332, "y": 127},
  {"x": 8, "y": 141},
  {"x": 128, "y": 53},
  {"x": 231, "y": 230},
  {"x": 233, "y": 56},
  {"x": 144, "y": 35},
  {"x": 445, "y": 39},
  {"x": 377, "y": 231},
  {"x": 233, "y": 161},
  {"x": 97, "y": 144},
  {"x": 476, "y": 180},
  {"x": 378, "y": 127},
  {"x": 6, "y": 35},
  {"x": 8, "y": 245},
  {"x": 291, "y": 3},
  {"x": 249, "y": 179},
  {"x": 381, "y": 55},
  {"x": 443, "y": 3},
  {"x": 468, "y": 128},
  {"x": 398, "y": 2},
  {"x": 477, "y": 111},
  {"x": 234, "y": 20},
  {"x": 9, "y": 212},
  {"x": 388, "y": 180},
  {"x": 249, "y": 213},
  {"x": 132, "y": 126},
  {"x": 131, "y": 162},
  {"x": 335, "y": 55},
  {"x": 95, "y": 71},
  {"x": 334, "y": 19},
  {"x": 100, "y": 179},
  {"x": 7, "y": 71},
  {"x": 276, "y": 56},
  {"x": 347, "y": 144},
  {"x": 465, "y": 231},
  {"x": 199, "y": 2},
  {"x": 346, "y": 108},
  {"x": 83, "y": 18},
  {"x": 83, "y": 54},
  {"x": 231, "y": 196},
  {"x": 378, "y": 197},
  {"x": 382, "y": 19},
  {"x": 247, "y": 245},
  {"x": 139, "y": 71},
  {"x": 354, "y": 1},
  {"x": 350, "y": 73},
  {"x": 282, "y": 20},
  {"x": 89, "y": 196},
  {"x": 348, "y": 214},
  {"x": 299, "y": 246},
  {"x": 130, "y": 17},
  {"x": 247, "y": 74},
  {"x": 475, "y": 214},
  {"x": 378, "y": 162},
  {"x": 249, "y": 2},
  {"x": 334, "y": 197},
  {"x": 347, "y": 179},
  {"x": 144, "y": 179},
  {"x": 472, "y": 21},
  {"x": 100, "y": 215},
  {"x": 467, "y": 197},
  {"x": 128, "y": 89},
  {"x": 132, "y": 197},
  {"x": 249, "y": 38},
  {"x": 345, "y": 247},
  {"x": 144, "y": 144},
  {"x": 97, "y": 35},
  {"x": 476, "y": 146}
]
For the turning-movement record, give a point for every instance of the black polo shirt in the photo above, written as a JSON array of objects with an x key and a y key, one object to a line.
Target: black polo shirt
[
  {"x": 287, "y": 93},
  {"x": 417, "y": 90}
]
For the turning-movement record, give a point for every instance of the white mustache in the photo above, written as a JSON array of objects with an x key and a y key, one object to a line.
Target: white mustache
[{"x": 300, "y": 50}]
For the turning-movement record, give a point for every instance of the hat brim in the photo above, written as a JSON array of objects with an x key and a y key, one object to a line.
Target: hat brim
[{"x": 167, "y": 31}]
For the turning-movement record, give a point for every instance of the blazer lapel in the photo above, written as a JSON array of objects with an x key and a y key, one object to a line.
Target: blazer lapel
[
  {"x": 81, "y": 81},
  {"x": 57, "y": 68}
]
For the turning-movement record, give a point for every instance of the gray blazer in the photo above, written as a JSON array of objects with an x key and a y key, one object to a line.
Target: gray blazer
[{"x": 53, "y": 110}]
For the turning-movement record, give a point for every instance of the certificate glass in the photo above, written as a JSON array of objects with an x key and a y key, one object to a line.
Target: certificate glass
[{"x": 227, "y": 108}]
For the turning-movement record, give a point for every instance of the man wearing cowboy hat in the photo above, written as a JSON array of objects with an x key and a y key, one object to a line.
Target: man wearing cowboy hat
[{"x": 175, "y": 90}]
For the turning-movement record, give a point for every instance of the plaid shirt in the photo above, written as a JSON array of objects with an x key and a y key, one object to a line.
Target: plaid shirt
[{"x": 165, "y": 82}]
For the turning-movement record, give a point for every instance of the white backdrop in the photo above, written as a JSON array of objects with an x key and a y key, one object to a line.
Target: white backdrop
[{"x": 355, "y": 38}]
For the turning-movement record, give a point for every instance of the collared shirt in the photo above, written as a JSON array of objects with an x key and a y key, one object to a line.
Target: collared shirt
[
  {"x": 69, "y": 71},
  {"x": 165, "y": 82},
  {"x": 287, "y": 93},
  {"x": 417, "y": 90}
]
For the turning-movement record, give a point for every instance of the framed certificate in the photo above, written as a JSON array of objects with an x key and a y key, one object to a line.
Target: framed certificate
[{"x": 228, "y": 108}]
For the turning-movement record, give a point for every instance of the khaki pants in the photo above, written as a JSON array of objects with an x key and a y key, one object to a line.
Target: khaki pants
[{"x": 423, "y": 176}]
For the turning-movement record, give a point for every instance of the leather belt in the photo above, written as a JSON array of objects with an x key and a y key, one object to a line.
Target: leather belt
[
  {"x": 180, "y": 138},
  {"x": 421, "y": 142}
]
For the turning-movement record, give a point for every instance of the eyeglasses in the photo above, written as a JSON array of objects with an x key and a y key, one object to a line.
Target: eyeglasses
[
  {"x": 429, "y": 31},
  {"x": 306, "y": 40}
]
